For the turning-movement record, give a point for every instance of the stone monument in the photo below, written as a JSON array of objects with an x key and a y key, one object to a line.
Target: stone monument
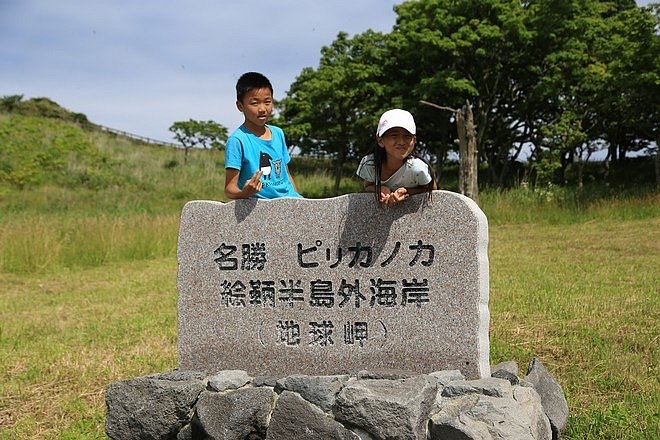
[
  {"x": 334, "y": 286},
  {"x": 336, "y": 319}
]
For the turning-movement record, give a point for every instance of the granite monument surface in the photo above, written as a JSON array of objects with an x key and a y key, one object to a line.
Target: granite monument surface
[{"x": 334, "y": 286}]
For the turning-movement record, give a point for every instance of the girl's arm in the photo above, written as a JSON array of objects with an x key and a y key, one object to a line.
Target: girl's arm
[
  {"x": 371, "y": 187},
  {"x": 403, "y": 193},
  {"x": 420, "y": 189}
]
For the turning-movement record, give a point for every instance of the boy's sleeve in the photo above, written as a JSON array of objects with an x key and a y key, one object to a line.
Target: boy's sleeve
[{"x": 233, "y": 153}]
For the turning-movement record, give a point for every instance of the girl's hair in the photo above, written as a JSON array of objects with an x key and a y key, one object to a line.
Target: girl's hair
[
  {"x": 250, "y": 81},
  {"x": 380, "y": 156}
]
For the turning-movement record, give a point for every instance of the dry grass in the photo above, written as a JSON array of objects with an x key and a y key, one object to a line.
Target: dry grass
[
  {"x": 66, "y": 336},
  {"x": 582, "y": 297}
]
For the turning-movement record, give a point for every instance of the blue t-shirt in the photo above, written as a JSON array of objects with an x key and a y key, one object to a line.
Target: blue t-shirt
[{"x": 246, "y": 152}]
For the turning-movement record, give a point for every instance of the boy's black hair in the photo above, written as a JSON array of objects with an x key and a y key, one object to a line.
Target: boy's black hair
[
  {"x": 380, "y": 156},
  {"x": 250, "y": 81}
]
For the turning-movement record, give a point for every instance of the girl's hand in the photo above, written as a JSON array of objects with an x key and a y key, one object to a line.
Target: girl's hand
[
  {"x": 384, "y": 194},
  {"x": 397, "y": 196},
  {"x": 253, "y": 185}
]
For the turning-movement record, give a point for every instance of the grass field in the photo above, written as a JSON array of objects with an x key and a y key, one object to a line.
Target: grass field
[
  {"x": 88, "y": 282},
  {"x": 582, "y": 295}
]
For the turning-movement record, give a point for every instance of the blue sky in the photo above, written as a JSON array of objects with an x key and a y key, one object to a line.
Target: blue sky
[{"x": 139, "y": 66}]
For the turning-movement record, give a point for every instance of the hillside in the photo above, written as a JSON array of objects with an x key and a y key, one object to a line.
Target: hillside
[
  {"x": 55, "y": 160},
  {"x": 55, "y": 157},
  {"x": 48, "y": 152}
]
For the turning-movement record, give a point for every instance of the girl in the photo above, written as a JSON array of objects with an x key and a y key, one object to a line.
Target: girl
[{"x": 393, "y": 171}]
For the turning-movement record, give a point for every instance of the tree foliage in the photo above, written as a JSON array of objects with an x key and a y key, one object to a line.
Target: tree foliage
[
  {"x": 205, "y": 134},
  {"x": 556, "y": 79},
  {"x": 332, "y": 109}
]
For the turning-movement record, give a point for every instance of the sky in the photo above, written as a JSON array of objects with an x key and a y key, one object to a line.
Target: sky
[{"x": 139, "y": 66}]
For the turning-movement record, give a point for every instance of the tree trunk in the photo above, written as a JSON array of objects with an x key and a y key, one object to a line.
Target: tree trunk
[
  {"x": 468, "y": 161},
  {"x": 657, "y": 164},
  {"x": 339, "y": 162}
]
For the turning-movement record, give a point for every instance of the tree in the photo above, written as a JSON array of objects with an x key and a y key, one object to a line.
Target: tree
[
  {"x": 334, "y": 109},
  {"x": 9, "y": 102},
  {"x": 191, "y": 133},
  {"x": 468, "y": 165},
  {"x": 478, "y": 50},
  {"x": 599, "y": 82}
]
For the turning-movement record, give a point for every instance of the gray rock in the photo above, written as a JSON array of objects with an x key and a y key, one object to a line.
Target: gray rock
[
  {"x": 506, "y": 375},
  {"x": 388, "y": 409},
  {"x": 295, "y": 418},
  {"x": 228, "y": 380},
  {"x": 178, "y": 375},
  {"x": 480, "y": 417},
  {"x": 151, "y": 407},
  {"x": 238, "y": 414},
  {"x": 510, "y": 366},
  {"x": 524, "y": 383},
  {"x": 265, "y": 381},
  {"x": 446, "y": 376},
  {"x": 452, "y": 424},
  {"x": 185, "y": 433},
  {"x": 531, "y": 405},
  {"x": 319, "y": 390},
  {"x": 552, "y": 396},
  {"x": 385, "y": 373},
  {"x": 489, "y": 386}
]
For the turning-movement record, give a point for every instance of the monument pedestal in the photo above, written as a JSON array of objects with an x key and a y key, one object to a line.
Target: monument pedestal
[{"x": 334, "y": 319}]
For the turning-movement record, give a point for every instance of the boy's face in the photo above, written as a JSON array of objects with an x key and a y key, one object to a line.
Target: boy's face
[{"x": 256, "y": 106}]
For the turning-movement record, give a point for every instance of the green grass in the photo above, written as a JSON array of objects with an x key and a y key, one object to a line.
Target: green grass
[
  {"x": 582, "y": 297},
  {"x": 66, "y": 335},
  {"x": 88, "y": 275}
]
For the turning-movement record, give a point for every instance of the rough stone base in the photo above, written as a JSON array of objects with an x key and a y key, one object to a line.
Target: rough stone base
[{"x": 369, "y": 405}]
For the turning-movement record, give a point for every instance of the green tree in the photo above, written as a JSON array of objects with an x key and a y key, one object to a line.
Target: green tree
[
  {"x": 452, "y": 51},
  {"x": 206, "y": 134},
  {"x": 9, "y": 102},
  {"x": 598, "y": 80},
  {"x": 334, "y": 108},
  {"x": 629, "y": 108}
]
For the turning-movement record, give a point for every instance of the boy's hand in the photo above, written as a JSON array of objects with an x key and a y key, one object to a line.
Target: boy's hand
[{"x": 253, "y": 185}]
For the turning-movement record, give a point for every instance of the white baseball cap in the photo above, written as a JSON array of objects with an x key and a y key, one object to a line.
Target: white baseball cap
[{"x": 396, "y": 118}]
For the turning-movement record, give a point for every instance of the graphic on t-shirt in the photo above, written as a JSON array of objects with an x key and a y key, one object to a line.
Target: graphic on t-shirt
[
  {"x": 277, "y": 165},
  {"x": 264, "y": 164},
  {"x": 267, "y": 164}
]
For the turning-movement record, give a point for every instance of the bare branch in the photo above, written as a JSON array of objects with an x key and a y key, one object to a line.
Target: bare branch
[{"x": 449, "y": 109}]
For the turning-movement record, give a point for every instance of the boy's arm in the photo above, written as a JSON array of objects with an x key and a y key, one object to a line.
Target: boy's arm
[{"x": 250, "y": 188}]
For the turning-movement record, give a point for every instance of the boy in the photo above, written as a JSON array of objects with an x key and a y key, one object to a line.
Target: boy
[{"x": 256, "y": 155}]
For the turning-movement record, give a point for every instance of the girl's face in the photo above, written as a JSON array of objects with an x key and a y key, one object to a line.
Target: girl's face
[
  {"x": 256, "y": 106},
  {"x": 397, "y": 142}
]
